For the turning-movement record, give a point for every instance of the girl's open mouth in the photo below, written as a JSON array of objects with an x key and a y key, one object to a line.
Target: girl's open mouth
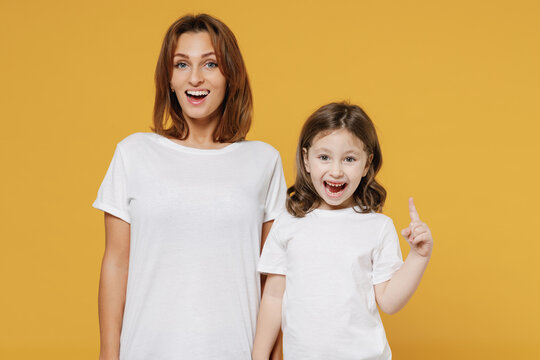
[
  {"x": 196, "y": 97},
  {"x": 334, "y": 189}
]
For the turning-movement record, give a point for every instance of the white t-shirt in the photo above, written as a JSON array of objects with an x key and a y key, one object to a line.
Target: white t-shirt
[
  {"x": 196, "y": 219},
  {"x": 332, "y": 259}
]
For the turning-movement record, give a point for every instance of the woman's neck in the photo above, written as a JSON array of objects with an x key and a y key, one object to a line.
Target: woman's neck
[
  {"x": 200, "y": 143},
  {"x": 201, "y": 134}
]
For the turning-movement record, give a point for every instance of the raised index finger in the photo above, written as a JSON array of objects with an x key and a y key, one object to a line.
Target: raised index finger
[{"x": 412, "y": 211}]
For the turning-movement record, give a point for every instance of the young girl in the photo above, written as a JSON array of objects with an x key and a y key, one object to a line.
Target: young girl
[{"x": 333, "y": 258}]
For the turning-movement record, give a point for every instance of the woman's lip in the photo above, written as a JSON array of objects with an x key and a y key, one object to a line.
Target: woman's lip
[
  {"x": 198, "y": 90},
  {"x": 195, "y": 101}
]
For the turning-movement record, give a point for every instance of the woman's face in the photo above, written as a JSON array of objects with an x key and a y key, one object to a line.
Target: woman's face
[{"x": 196, "y": 79}]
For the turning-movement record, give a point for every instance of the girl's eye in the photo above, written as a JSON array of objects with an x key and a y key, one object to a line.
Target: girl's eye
[
  {"x": 181, "y": 65},
  {"x": 350, "y": 159},
  {"x": 324, "y": 157},
  {"x": 211, "y": 65}
]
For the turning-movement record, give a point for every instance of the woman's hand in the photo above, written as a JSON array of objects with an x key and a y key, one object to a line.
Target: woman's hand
[{"x": 418, "y": 234}]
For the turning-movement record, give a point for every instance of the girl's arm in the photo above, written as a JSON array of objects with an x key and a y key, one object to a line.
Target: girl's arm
[
  {"x": 393, "y": 294},
  {"x": 112, "y": 285},
  {"x": 269, "y": 319}
]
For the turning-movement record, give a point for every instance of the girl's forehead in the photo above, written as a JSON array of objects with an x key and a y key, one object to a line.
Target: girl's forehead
[{"x": 337, "y": 138}]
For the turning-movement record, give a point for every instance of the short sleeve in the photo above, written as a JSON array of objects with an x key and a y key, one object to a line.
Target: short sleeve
[
  {"x": 275, "y": 197},
  {"x": 274, "y": 255},
  {"x": 112, "y": 194},
  {"x": 387, "y": 257}
]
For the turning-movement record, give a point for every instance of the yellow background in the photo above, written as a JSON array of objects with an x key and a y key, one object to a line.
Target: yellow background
[{"x": 453, "y": 88}]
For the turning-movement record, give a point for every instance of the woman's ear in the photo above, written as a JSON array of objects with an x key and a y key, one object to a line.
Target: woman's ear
[
  {"x": 306, "y": 160},
  {"x": 368, "y": 164}
]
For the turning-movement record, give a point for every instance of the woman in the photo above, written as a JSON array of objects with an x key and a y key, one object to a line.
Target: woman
[{"x": 186, "y": 208}]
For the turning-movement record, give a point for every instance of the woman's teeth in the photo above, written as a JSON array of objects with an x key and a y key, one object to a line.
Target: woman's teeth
[{"x": 200, "y": 93}]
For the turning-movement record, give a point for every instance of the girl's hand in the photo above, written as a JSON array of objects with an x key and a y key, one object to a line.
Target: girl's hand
[{"x": 418, "y": 234}]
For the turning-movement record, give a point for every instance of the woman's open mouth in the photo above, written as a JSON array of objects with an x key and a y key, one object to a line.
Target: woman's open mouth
[
  {"x": 333, "y": 189},
  {"x": 196, "y": 97}
]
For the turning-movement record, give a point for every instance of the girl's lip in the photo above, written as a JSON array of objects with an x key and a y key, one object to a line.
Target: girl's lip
[
  {"x": 332, "y": 194},
  {"x": 335, "y": 182}
]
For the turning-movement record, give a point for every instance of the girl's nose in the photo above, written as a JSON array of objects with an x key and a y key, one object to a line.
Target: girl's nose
[{"x": 336, "y": 170}]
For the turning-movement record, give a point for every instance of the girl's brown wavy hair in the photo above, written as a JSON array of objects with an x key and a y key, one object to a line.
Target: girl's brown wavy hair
[
  {"x": 370, "y": 195},
  {"x": 237, "y": 106}
]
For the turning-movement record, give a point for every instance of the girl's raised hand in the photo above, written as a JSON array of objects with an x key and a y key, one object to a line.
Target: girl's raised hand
[{"x": 418, "y": 234}]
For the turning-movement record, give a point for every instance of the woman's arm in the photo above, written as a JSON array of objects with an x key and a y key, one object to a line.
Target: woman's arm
[
  {"x": 112, "y": 285},
  {"x": 277, "y": 352},
  {"x": 269, "y": 319},
  {"x": 393, "y": 294}
]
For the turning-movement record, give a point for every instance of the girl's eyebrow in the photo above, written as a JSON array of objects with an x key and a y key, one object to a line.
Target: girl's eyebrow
[
  {"x": 321, "y": 149},
  {"x": 187, "y": 56},
  {"x": 350, "y": 151}
]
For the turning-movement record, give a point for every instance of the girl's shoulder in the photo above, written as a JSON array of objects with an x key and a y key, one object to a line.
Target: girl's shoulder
[
  {"x": 351, "y": 216},
  {"x": 285, "y": 218},
  {"x": 285, "y": 223},
  {"x": 349, "y": 213},
  {"x": 375, "y": 219}
]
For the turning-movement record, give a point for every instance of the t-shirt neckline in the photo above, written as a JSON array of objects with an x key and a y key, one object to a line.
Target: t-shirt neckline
[
  {"x": 336, "y": 212},
  {"x": 174, "y": 145}
]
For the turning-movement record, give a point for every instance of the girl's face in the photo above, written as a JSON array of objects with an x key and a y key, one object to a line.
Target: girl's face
[
  {"x": 197, "y": 81},
  {"x": 336, "y": 162}
]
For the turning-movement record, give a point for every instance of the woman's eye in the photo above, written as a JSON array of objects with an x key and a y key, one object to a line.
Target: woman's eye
[
  {"x": 350, "y": 159},
  {"x": 181, "y": 65},
  {"x": 324, "y": 157},
  {"x": 211, "y": 65}
]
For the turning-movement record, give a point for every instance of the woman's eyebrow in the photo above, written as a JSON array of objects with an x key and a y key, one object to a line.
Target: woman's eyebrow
[{"x": 187, "y": 56}]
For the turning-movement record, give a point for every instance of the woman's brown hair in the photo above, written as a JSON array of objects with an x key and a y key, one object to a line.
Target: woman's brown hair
[
  {"x": 370, "y": 195},
  {"x": 237, "y": 106}
]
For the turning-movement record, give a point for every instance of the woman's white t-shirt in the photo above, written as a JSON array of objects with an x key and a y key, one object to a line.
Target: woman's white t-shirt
[
  {"x": 332, "y": 259},
  {"x": 196, "y": 218}
]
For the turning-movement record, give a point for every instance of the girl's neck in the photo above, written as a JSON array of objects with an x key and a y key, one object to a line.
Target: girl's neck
[{"x": 349, "y": 203}]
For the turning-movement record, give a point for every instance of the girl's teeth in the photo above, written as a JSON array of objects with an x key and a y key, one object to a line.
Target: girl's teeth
[{"x": 334, "y": 185}]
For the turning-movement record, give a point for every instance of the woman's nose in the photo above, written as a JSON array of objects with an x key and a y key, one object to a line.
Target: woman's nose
[{"x": 196, "y": 77}]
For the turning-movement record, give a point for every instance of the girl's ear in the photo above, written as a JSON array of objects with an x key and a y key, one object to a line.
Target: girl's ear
[
  {"x": 368, "y": 164},
  {"x": 306, "y": 161}
]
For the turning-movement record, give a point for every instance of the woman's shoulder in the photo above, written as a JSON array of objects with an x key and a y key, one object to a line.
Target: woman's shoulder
[
  {"x": 139, "y": 142},
  {"x": 138, "y": 138},
  {"x": 259, "y": 147}
]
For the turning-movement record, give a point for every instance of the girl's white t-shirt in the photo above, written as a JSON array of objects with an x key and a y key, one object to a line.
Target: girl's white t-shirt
[
  {"x": 196, "y": 219},
  {"x": 332, "y": 259}
]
